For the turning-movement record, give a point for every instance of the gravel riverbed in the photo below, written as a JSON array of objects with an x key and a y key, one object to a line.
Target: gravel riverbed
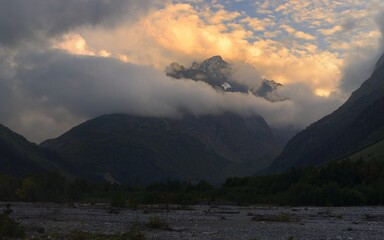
[{"x": 207, "y": 221}]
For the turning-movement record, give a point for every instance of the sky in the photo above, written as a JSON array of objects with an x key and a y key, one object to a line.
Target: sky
[{"x": 64, "y": 62}]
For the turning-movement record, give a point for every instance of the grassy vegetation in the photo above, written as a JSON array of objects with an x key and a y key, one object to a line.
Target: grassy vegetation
[{"x": 374, "y": 152}]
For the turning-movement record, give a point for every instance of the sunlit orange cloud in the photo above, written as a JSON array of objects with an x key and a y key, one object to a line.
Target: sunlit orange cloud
[
  {"x": 76, "y": 44},
  {"x": 180, "y": 33}
]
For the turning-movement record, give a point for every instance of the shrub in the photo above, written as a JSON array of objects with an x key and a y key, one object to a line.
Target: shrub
[{"x": 9, "y": 228}]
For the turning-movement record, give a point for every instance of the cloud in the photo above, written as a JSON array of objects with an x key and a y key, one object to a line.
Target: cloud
[
  {"x": 305, "y": 36},
  {"x": 59, "y": 90},
  {"x": 306, "y": 108},
  {"x": 6, "y": 85},
  {"x": 246, "y": 74},
  {"x": 358, "y": 67},
  {"x": 63, "y": 62},
  {"x": 258, "y": 24},
  {"x": 330, "y": 31},
  {"x": 180, "y": 33},
  {"x": 221, "y": 16},
  {"x": 364, "y": 51},
  {"x": 379, "y": 19},
  {"x": 22, "y": 21}
]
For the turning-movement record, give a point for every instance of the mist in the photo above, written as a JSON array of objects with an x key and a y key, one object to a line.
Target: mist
[
  {"x": 54, "y": 90},
  {"x": 361, "y": 60}
]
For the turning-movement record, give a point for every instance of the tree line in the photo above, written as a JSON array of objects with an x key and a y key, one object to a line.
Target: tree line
[{"x": 338, "y": 183}]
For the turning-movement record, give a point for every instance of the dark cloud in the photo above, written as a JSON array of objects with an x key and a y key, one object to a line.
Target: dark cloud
[
  {"x": 380, "y": 21},
  {"x": 6, "y": 87},
  {"x": 359, "y": 66},
  {"x": 24, "y": 20},
  {"x": 362, "y": 60},
  {"x": 91, "y": 86},
  {"x": 85, "y": 86}
]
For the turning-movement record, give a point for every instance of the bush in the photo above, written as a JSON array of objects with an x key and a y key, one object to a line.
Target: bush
[{"x": 9, "y": 228}]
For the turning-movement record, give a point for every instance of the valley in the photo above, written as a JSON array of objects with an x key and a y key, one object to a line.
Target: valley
[{"x": 191, "y": 119}]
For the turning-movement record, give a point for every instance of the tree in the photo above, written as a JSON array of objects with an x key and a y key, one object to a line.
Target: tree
[
  {"x": 28, "y": 191},
  {"x": 8, "y": 185}
]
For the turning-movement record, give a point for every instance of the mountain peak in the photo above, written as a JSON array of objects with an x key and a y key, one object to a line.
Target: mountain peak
[
  {"x": 218, "y": 74},
  {"x": 268, "y": 91},
  {"x": 215, "y": 65},
  {"x": 216, "y": 58}
]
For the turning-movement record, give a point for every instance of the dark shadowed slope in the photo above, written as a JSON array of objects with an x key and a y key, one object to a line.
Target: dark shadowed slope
[
  {"x": 20, "y": 157},
  {"x": 355, "y": 125},
  {"x": 142, "y": 150}
]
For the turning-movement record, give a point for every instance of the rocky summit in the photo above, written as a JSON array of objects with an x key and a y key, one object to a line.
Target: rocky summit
[{"x": 218, "y": 73}]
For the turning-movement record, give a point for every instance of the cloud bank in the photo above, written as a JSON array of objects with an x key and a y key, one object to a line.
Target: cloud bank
[
  {"x": 63, "y": 62},
  {"x": 54, "y": 90}
]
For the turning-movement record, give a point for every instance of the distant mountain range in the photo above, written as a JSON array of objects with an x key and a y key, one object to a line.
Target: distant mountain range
[
  {"x": 143, "y": 150},
  {"x": 218, "y": 73},
  {"x": 355, "y": 125}
]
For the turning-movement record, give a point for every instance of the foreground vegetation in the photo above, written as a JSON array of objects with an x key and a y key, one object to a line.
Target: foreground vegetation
[
  {"x": 339, "y": 183},
  {"x": 9, "y": 228}
]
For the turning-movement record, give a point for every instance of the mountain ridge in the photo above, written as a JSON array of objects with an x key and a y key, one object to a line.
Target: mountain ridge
[
  {"x": 143, "y": 150},
  {"x": 358, "y": 123},
  {"x": 20, "y": 157}
]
